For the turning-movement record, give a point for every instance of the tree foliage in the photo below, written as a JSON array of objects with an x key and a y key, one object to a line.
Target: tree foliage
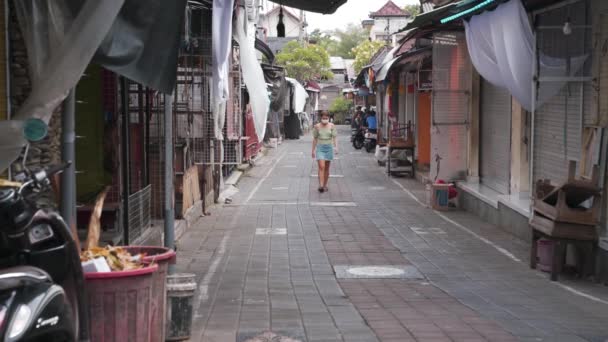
[
  {"x": 364, "y": 52},
  {"x": 340, "y": 42},
  {"x": 340, "y": 105},
  {"x": 348, "y": 39},
  {"x": 412, "y": 9},
  {"x": 304, "y": 62},
  {"x": 339, "y": 108}
]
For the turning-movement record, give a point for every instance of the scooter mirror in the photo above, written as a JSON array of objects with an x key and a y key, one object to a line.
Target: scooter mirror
[{"x": 35, "y": 129}]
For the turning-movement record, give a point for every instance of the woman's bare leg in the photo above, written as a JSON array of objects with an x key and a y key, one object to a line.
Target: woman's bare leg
[
  {"x": 322, "y": 180},
  {"x": 327, "y": 164}
]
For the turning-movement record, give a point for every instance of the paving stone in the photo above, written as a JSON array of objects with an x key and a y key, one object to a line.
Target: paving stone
[{"x": 468, "y": 290}]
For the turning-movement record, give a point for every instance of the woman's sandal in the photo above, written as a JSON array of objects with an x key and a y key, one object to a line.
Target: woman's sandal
[
  {"x": 326, "y": 189},
  {"x": 321, "y": 189}
]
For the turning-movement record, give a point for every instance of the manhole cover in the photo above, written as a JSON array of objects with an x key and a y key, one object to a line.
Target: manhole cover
[
  {"x": 377, "y": 272},
  {"x": 271, "y": 337}
]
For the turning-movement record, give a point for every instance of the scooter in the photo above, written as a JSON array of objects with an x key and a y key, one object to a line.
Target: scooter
[
  {"x": 42, "y": 295},
  {"x": 370, "y": 141},
  {"x": 357, "y": 138}
]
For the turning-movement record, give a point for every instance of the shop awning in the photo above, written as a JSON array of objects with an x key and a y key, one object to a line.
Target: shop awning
[
  {"x": 318, "y": 6},
  {"x": 413, "y": 57},
  {"x": 381, "y": 75},
  {"x": 451, "y": 12},
  {"x": 429, "y": 18},
  {"x": 406, "y": 58}
]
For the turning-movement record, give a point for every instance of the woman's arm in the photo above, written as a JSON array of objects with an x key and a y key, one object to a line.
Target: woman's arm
[{"x": 334, "y": 138}]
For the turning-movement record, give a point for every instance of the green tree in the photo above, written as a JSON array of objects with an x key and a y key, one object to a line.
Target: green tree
[
  {"x": 364, "y": 52},
  {"x": 348, "y": 39},
  {"x": 412, "y": 9},
  {"x": 339, "y": 42},
  {"x": 323, "y": 39},
  {"x": 304, "y": 62},
  {"x": 339, "y": 108}
]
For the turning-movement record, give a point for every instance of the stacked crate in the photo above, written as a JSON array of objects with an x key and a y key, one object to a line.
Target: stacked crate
[{"x": 567, "y": 214}]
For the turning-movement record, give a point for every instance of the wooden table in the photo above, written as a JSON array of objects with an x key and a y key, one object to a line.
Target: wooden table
[{"x": 561, "y": 234}]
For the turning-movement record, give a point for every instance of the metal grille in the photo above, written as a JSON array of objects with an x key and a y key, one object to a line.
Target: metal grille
[
  {"x": 204, "y": 147},
  {"x": 156, "y": 154},
  {"x": 139, "y": 212}
]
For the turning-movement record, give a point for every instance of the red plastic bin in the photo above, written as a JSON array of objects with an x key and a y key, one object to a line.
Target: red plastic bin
[
  {"x": 163, "y": 257},
  {"x": 120, "y": 304}
]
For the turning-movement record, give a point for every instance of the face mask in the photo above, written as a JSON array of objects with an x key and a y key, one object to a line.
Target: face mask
[{"x": 325, "y": 121}]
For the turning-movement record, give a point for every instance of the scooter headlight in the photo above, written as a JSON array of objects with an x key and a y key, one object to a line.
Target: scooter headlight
[{"x": 19, "y": 322}]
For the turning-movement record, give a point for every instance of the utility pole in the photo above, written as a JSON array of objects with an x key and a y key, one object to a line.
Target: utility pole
[{"x": 301, "y": 33}]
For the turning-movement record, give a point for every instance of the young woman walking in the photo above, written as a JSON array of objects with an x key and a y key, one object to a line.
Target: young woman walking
[{"x": 324, "y": 145}]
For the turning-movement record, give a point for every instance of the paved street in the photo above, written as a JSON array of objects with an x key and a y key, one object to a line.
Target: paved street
[{"x": 284, "y": 260}]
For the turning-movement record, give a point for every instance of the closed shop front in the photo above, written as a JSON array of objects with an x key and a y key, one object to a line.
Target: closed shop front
[
  {"x": 495, "y": 137},
  {"x": 450, "y": 106},
  {"x": 563, "y": 91}
]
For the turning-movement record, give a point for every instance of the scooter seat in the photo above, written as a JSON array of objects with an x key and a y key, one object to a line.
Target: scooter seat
[{"x": 13, "y": 277}]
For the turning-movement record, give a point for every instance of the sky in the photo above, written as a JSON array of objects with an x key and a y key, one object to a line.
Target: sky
[{"x": 353, "y": 11}]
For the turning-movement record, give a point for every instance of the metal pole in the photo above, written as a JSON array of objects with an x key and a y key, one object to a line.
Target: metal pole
[
  {"x": 125, "y": 144},
  {"x": 169, "y": 192},
  {"x": 68, "y": 154},
  {"x": 147, "y": 137}
]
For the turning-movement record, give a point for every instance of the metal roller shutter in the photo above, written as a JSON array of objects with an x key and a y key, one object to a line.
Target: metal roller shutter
[
  {"x": 450, "y": 106},
  {"x": 557, "y": 134},
  {"x": 495, "y": 137}
]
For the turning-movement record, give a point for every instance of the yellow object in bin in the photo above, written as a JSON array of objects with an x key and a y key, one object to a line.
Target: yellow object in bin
[{"x": 6, "y": 182}]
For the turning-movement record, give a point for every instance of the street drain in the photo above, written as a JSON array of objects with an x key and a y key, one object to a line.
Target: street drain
[
  {"x": 333, "y": 204},
  {"x": 377, "y": 272},
  {"x": 269, "y": 336},
  {"x": 270, "y": 231}
]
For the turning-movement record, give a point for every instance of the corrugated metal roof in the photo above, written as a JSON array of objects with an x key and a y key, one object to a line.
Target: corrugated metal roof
[{"x": 427, "y": 7}]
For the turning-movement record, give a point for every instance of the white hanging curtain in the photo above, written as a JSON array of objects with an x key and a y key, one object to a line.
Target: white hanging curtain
[
  {"x": 501, "y": 46},
  {"x": 300, "y": 95},
  {"x": 252, "y": 75},
  {"x": 221, "y": 42}
]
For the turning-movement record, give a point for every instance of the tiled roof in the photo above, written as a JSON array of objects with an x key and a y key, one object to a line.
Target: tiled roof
[{"x": 390, "y": 9}]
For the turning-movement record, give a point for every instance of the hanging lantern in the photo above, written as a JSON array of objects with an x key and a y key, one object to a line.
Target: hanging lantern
[{"x": 280, "y": 25}]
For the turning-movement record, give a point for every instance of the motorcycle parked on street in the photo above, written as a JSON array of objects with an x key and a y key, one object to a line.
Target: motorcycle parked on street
[
  {"x": 42, "y": 296},
  {"x": 371, "y": 138},
  {"x": 357, "y": 138}
]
